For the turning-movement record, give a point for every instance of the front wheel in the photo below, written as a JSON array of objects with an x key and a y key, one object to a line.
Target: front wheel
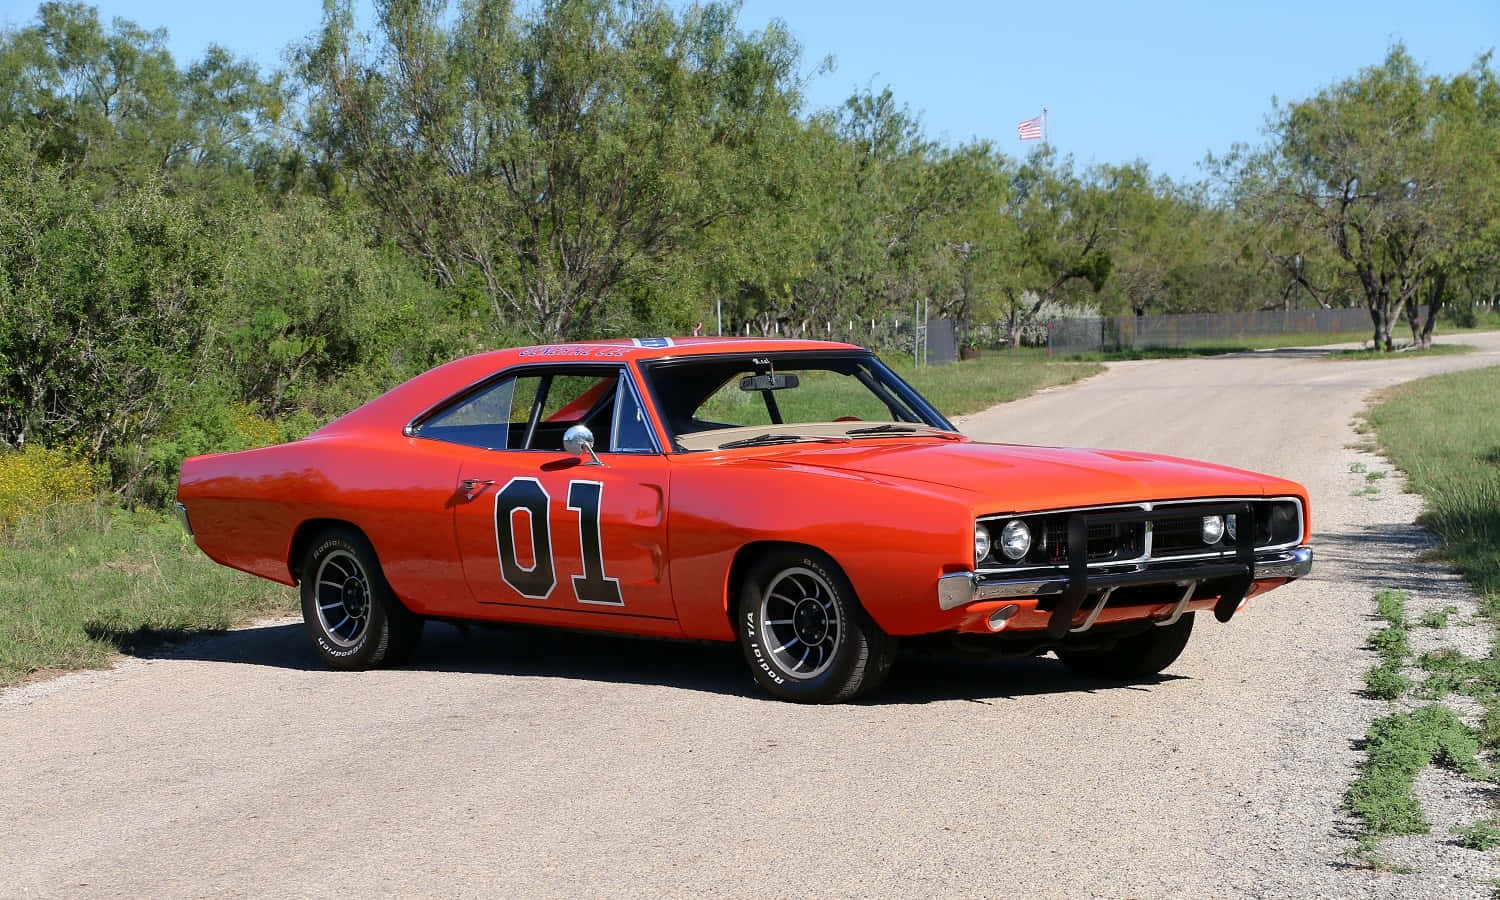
[
  {"x": 803, "y": 632},
  {"x": 1137, "y": 656},
  {"x": 353, "y": 616}
]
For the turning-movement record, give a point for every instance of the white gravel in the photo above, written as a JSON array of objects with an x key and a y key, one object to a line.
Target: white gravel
[{"x": 529, "y": 763}]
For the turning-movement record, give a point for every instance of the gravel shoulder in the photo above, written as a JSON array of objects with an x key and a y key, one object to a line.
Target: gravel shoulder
[{"x": 544, "y": 764}]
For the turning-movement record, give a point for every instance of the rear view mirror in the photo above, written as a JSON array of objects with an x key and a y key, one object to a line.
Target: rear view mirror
[{"x": 768, "y": 382}]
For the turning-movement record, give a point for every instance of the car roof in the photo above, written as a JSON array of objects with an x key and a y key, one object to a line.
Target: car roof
[{"x": 399, "y": 405}]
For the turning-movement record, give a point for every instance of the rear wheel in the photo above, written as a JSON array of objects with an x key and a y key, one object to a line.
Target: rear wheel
[
  {"x": 353, "y": 616},
  {"x": 1136, "y": 656},
  {"x": 803, "y": 632}
]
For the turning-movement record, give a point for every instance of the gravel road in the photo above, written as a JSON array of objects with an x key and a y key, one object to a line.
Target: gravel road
[{"x": 529, "y": 763}]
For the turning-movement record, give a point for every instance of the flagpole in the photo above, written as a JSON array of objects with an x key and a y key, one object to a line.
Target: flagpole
[{"x": 1044, "y": 127}]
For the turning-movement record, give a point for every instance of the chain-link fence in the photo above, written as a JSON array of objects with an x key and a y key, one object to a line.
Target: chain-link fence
[
  {"x": 896, "y": 335},
  {"x": 1198, "y": 330}
]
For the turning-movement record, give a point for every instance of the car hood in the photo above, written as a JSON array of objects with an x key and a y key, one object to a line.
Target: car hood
[{"x": 1019, "y": 478}]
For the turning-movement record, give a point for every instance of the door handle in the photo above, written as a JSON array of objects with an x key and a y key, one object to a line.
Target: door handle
[{"x": 472, "y": 486}]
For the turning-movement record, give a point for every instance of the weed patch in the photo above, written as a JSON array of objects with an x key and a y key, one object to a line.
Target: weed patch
[
  {"x": 1400, "y": 745},
  {"x": 1479, "y": 836},
  {"x": 1437, "y": 618}
]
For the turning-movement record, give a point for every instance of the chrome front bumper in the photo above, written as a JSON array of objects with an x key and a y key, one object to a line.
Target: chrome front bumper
[
  {"x": 182, "y": 518},
  {"x": 969, "y": 587}
]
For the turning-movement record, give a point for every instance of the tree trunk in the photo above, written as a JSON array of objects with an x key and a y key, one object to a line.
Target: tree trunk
[
  {"x": 1380, "y": 316},
  {"x": 1434, "y": 305}
]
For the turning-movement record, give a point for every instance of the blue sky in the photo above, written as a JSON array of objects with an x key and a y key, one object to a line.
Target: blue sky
[{"x": 1163, "y": 82}]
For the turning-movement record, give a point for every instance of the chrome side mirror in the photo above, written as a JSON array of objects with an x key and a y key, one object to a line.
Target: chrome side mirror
[{"x": 579, "y": 440}]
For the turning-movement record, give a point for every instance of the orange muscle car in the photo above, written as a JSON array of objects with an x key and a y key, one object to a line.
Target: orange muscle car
[{"x": 795, "y": 496}]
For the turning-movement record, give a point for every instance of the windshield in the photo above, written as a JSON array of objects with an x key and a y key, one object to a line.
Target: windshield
[{"x": 719, "y": 402}]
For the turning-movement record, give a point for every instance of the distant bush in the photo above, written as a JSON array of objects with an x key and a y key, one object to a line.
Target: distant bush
[{"x": 36, "y": 478}]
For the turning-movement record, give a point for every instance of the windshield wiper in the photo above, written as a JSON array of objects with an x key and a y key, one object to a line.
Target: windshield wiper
[
  {"x": 888, "y": 428},
  {"x": 894, "y": 428},
  {"x": 765, "y": 439}
]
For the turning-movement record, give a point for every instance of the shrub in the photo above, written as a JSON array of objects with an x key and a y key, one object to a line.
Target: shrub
[{"x": 36, "y": 478}]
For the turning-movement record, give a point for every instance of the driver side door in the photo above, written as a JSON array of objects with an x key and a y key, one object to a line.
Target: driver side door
[{"x": 543, "y": 528}]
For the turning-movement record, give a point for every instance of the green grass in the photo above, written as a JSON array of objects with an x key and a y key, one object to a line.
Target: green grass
[
  {"x": 81, "y": 583},
  {"x": 1444, "y": 433},
  {"x": 1437, "y": 618},
  {"x": 1399, "y": 747},
  {"x": 1434, "y": 350},
  {"x": 1387, "y": 681},
  {"x": 1484, "y": 320},
  {"x": 1479, "y": 836},
  {"x": 1134, "y": 353},
  {"x": 998, "y": 377}
]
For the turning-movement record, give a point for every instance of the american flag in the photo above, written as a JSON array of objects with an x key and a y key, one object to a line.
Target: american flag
[{"x": 1030, "y": 130}]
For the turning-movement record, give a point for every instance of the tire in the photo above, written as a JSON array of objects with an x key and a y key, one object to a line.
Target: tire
[
  {"x": 351, "y": 613},
  {"x": 794, "y": 598},
  {"x": 1137, "y": 656}
]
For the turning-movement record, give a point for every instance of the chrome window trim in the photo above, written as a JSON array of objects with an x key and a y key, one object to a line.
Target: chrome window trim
[
  {"x": 1146, "y": 557},
  {"x": 412, "y": 428},
  {"x": 626, "y": 380},
  {"x": 917, "y": 403}
]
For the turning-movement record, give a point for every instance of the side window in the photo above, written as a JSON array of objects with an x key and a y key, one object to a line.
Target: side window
[
  {"x": 632, "y": 432},
  {"x": 532, "y": 411},
  {"x": 484, "y": 419},
  {"x": 572, "y": 397}
]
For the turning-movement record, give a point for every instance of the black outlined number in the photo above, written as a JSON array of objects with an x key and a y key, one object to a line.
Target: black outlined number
[
  {"x": 593, "y": 586},
  {"x": 538, "y": 581}
]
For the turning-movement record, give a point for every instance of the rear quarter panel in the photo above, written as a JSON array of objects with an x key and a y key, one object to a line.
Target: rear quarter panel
[{"x": 246, "y": 508}]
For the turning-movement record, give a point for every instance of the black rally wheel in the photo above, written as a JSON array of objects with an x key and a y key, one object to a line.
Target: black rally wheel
[
  {"x": 803, "y": 632},
  {"x": 1137, "y": 656},
  {"x": 353, "y": 616}
]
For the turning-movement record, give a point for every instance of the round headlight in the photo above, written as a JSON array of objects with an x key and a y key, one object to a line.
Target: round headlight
[
  {"x": 1229, "y": 528},
  {"x": 1015, "y": 539},
  {"x": 1213, "y": 529},
  {"x": 981, "y": 542}
]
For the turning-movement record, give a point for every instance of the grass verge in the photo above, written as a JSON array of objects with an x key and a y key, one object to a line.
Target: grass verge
[
  {"x": 1444, "y": 433},
  {"x": 998, "y": 377},
  {"x": 1367, "y": 354},
  {"x": 79, "y": 583}
]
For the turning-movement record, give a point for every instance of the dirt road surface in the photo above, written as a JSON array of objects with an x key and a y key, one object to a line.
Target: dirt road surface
[{"x": 526, "y": 763}]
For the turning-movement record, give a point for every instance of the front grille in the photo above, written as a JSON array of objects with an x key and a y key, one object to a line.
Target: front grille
[
  {"x": 1177, "y": 535},
  {"x": 1277, "y": 523},
  {"x": 1107, "y": 542}
]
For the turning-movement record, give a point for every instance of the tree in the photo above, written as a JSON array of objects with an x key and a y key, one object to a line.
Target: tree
[
  {"x": 1063, "y": 227},
  {"x": 560, "y": 158},
  {"x": 110, "y": 105},
  {"x": 102, "y": 311},
  {"x": 1375, "y": 166}
]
